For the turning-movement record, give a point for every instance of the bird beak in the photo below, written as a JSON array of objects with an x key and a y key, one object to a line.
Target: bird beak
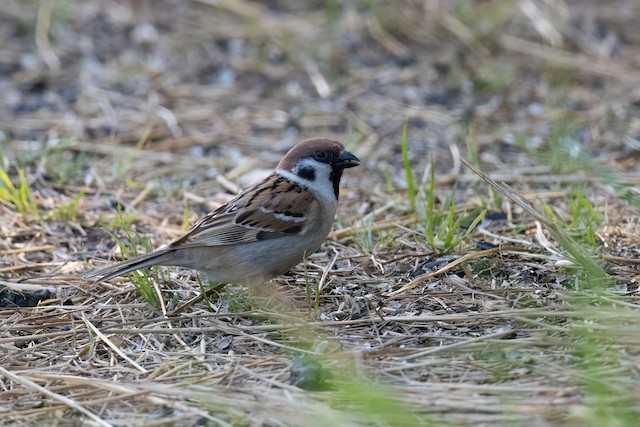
[{"x": 346, "y": 160}]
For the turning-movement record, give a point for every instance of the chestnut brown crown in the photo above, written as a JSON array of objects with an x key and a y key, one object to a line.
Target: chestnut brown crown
[{"x": 323, "y": 150}]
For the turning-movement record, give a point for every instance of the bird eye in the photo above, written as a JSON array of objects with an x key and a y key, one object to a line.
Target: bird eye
[{"x": 320, "y": 154}]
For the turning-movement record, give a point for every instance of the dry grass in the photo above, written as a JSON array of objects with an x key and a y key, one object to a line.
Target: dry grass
[{"x": 137, "y": 115}]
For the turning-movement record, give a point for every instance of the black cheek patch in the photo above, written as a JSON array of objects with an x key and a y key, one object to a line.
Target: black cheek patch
[{"x": 307, "y": 173}]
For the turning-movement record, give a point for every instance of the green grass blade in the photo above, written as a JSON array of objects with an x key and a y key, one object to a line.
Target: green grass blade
[{"x": 411, "y": 192}]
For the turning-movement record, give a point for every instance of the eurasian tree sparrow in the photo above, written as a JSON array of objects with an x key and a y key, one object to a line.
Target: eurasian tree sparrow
[{"x": 268, "y": 228}]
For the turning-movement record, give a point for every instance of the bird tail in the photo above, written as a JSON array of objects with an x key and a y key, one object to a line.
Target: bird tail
[{"x": 124, "y": 267}]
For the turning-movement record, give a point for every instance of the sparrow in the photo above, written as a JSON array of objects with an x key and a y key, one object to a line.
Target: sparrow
[{"x": 267, "y": 229}]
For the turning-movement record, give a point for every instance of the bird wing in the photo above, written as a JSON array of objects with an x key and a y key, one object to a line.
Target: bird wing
[{"x": 275, "y": 207}]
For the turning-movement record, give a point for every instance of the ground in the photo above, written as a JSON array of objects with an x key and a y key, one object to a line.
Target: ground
[{"x": 436, "y": 300}]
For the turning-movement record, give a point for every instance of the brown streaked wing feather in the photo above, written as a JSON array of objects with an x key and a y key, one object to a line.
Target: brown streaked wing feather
[{"x": 253, "y": 216}]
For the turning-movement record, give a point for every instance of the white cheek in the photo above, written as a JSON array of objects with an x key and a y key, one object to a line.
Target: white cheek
[
  {"x": 322, "y": 170},
  {"x": 321, "y": 186}
]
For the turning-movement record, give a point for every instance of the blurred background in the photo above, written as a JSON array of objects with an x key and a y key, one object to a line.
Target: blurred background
[{"x": 200, "y": 76}]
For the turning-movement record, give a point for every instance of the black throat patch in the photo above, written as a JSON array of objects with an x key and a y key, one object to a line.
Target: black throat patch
[{"x": 335, "y": 176}]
